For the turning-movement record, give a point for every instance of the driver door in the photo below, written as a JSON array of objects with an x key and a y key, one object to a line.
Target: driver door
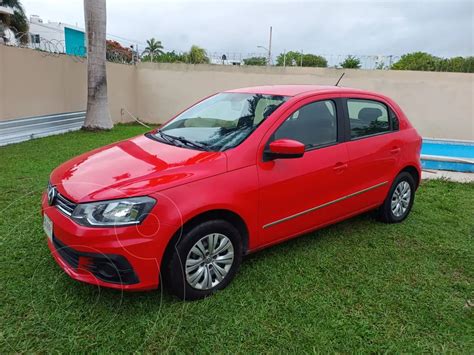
[{"x": 296, "y": 195}]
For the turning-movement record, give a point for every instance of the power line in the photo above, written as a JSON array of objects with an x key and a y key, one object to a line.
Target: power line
[{"x": 126, "y": 39}]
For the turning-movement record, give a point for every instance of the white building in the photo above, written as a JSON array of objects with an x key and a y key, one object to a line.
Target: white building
[{"x": 57, "y": 37}]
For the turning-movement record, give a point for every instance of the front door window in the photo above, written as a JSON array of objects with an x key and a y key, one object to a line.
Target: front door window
[{"x": 314, "y": 125}]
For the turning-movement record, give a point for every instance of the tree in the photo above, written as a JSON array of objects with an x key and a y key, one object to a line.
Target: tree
[
  {"x": 351, "y": 62},
  {"x": 154, "y": 48},
  {"x": 171, "y": 57},
  {"x": 17, "y": 22},
  {"x": 117, "y": 53},
  {"x": 97, "y": 116},
  {"x": 427, "y": 62},
  {"x": 457, "y": 64},
  {"x": 293, "y": 58},
  {"x": 417, "y": 61},
  {"x": 312, "y": 60},
  {"x": 167, "y": 57},
  {"x": 255, "y": 61},
  {"x": 197, "y": 55},
  {"x": 468, "y": 66}
]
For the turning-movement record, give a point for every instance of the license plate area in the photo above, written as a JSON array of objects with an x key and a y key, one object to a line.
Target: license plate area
[{"x": 48, "y": 227}]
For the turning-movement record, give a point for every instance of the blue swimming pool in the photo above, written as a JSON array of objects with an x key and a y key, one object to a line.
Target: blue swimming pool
[{"x": 448, "y": 155}]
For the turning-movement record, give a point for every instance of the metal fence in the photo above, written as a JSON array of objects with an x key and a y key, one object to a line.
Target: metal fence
[
  {"x": 23, "y": 129},
  {"x": 51, "y": 48},
  {"x": 333, "y": 60},
  {"x": 57, "y": 47}
]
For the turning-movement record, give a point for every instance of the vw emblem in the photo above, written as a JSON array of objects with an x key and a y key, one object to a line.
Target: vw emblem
[{"x": 51, "y": 195}]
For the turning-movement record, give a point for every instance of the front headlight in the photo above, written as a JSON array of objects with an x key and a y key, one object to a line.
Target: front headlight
[{"x": 114, "y": 212}]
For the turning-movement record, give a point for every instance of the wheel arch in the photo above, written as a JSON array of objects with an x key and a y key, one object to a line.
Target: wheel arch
[
  {"x": 224, "y": 214},
  {"x": 413, "y": 171}
]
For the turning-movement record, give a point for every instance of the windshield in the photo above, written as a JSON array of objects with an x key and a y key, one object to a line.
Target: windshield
[{"x": 220, "y": 122}]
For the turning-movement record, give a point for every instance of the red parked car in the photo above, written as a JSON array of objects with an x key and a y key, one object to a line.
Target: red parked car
[{"x": 237, "y": 172}]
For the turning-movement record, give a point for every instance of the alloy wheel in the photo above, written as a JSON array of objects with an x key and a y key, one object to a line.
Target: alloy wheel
[
  {"x": 209, "y": 261},
  {"x": 401, "y": 199}
]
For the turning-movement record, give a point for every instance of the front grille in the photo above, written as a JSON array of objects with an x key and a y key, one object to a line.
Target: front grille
[{"x": 64, "y": 205}]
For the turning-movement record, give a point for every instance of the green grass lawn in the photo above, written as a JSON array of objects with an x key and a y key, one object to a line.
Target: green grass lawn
[{"x": 358, "y": 286}]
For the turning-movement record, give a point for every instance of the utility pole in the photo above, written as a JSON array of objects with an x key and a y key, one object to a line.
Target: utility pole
[
  {"x": 270, "y": 48},
  {"x": 284, "y": 58}
]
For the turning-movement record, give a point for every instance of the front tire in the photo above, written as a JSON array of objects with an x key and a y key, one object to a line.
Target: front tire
[
  {"x": 399, "y": 201},
  {"x": 205, "y": 260}
]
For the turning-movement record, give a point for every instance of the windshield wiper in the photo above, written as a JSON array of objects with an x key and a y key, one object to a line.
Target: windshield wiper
[
  {"x": 191, "y": 143},
  {"x": 165, "y": 137},
  {"x": 183, "y": 141}
]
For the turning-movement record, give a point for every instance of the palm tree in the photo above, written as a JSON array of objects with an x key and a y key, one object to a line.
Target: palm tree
[
  {"x": 153, "y": 48},
  {"x": 97, "y": 116},
  {"x": 17, "y": 22}
]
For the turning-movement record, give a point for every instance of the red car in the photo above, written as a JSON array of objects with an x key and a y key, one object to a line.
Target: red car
[{"x": 237, "y": 172}]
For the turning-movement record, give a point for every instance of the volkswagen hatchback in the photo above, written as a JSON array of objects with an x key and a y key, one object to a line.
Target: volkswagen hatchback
[{"x": 237, "y": 172}]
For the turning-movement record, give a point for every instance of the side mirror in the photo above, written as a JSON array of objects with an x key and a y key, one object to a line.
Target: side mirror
[{"x": 284, "y": 149}]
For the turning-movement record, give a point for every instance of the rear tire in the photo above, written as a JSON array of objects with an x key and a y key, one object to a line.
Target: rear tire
[
  {"x": 399, "y": 201},
  {"x": 204, "y": 261}
]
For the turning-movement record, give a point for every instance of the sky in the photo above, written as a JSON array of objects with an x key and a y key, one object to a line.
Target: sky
[{"x": 370, "y": 27}]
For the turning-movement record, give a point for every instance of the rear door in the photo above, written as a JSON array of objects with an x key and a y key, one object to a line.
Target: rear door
[{"x": 373, "y": 146}]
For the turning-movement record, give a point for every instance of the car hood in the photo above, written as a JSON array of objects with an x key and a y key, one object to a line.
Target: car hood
[{"x": 135, "y": 167}]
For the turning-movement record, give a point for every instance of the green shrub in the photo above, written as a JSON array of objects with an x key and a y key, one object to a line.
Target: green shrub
[
  {"x": 427, "y": 62},
  {"x": 197, "y": 55},
  {"x": 417, "y": 61},
  {"x": 167, "y": 57},
  {"x": 351, "y": 62},
  {"x": 298, "y": 59},
  {"x": 255, "y": 61}
]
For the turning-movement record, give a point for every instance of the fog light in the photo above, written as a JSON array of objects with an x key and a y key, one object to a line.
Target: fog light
[{"x": 107, "y": 271}]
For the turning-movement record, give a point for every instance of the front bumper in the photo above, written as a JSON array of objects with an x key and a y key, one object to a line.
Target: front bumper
[
  {"x": 126, "y": 258},
  {"x": 112, "y": 268}
]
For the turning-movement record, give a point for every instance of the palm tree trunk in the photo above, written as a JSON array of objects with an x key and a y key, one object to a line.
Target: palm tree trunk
[{"x": 98, "y": 116}]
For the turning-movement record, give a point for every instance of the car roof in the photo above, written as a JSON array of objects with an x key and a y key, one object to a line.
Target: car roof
[{"x": 294, "y": 90}]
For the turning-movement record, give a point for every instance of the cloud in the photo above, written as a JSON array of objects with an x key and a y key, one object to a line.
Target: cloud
[{"x": 444, "y": 28}]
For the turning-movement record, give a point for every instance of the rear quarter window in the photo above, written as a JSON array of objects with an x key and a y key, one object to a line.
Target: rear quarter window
[{"x": 367, "y": 117}]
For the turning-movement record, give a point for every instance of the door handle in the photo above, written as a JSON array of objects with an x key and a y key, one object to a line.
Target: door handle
[
  {"x": 339, "y": 167},
  {"x": 395, "y": 150}
]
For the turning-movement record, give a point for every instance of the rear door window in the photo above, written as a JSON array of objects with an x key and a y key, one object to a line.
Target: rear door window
[{"x": 367, "y": 118}]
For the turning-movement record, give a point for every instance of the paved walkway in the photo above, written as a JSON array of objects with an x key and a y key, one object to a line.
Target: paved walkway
[{"x": 449, "y": 175}]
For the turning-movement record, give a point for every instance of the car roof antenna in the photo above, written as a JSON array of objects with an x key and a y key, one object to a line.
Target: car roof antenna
[{"x": 340, "y": 79}]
